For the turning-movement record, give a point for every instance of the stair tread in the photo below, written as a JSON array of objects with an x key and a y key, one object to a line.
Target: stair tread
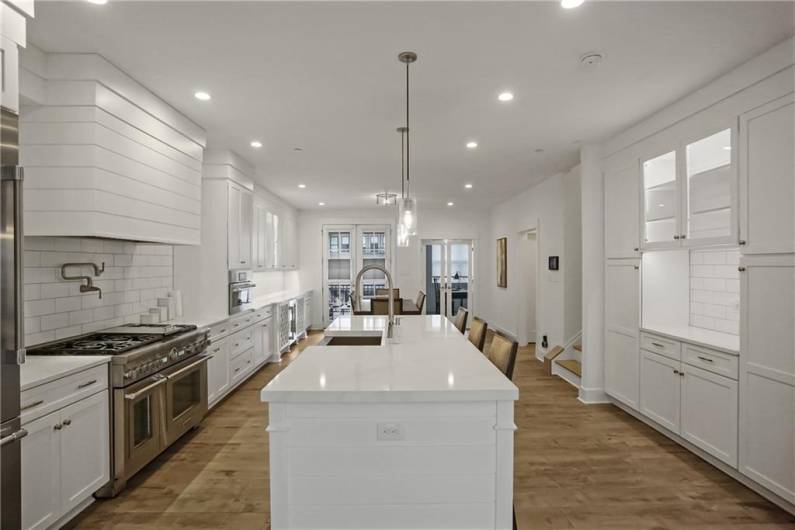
[
  {"x": 572, "y": 365},
  {"x": 578, "y": 347},
  {"x": 554, "y": 352}
]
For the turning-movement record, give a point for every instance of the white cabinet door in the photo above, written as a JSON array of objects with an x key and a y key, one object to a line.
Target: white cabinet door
[
  {"x": 622, "y": 323},
  {"x": 709, "y": 413},
  {"x": 41, "y": 467},
  {"x": 233, "y": 226},
  {"x": 85, "y": 449},
  {"x": 767, "y": 372},
  {"x": 9, "y": 75},
  {"x": 246, "y": 221},
  {"x": 218, "y": 370},
  {"x": 767, "y": 177},
  {"x": 622, "y": 212},
  {"x": 263, "y": 347},
  {"x": 660, "y": 392}
]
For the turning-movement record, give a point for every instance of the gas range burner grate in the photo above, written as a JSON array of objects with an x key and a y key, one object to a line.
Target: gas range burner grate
[{"x": 96, "y": 344}]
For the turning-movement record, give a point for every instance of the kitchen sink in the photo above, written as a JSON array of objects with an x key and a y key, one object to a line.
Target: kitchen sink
[{"x": 351, "y": 341}]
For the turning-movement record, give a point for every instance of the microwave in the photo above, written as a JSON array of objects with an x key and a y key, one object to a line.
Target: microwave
[{"x": 241, "y": 291}]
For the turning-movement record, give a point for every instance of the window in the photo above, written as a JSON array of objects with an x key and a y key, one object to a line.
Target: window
[{"x": 343, "y": 259}]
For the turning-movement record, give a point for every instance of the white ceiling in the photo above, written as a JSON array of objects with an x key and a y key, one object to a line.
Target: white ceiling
[{"x": 325, "y": 77}]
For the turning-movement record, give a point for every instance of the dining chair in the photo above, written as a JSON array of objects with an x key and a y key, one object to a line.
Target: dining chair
[
  {"x": 502, "y": 353},
  {"x": 420, "y": 301},
  {"x": 477, "y": 333},
  {"x": 384, "y": 291},
  {"x": 460, "y": 320}
]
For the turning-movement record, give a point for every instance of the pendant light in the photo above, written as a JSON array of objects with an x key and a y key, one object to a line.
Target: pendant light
[
  {"x": 402, "y": 232},
  {"x": 407, "y": 205}
]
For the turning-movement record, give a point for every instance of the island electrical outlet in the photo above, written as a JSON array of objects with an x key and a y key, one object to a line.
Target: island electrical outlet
[{"x": 390, "y": 432}]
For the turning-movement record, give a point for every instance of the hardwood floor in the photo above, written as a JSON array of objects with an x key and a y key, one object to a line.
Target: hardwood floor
[{"x": 577, "y": 466}]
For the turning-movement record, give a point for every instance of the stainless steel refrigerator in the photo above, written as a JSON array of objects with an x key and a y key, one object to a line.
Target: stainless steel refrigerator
[{"x": 12, "y": 336}]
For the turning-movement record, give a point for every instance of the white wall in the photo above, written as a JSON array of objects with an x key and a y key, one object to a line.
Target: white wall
[{"x": 544, "y": 207}]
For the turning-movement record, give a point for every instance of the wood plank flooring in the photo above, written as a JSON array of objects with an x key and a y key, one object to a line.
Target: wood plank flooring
[{"x": 576, "y": 466}]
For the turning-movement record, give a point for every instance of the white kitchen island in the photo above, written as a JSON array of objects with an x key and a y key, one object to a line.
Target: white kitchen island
[{"x": 415, "y": 433}]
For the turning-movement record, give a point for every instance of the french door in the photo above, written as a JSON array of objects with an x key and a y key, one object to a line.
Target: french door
[
  {"x": 448, "y": 266},
  {"x": 346, "y": 249}
]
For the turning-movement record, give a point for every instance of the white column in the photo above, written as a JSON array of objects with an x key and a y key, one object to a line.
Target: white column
[{"x": 593, "y": 259}]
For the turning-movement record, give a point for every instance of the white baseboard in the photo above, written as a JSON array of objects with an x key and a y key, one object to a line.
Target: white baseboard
[{"x": 593, "y": 396}]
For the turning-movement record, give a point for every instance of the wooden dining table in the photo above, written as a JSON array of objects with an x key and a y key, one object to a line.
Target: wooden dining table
[{"x": 403, "y": 306}]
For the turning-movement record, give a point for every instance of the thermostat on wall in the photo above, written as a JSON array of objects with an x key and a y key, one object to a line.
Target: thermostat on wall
[{"x": 554, "y": 263}]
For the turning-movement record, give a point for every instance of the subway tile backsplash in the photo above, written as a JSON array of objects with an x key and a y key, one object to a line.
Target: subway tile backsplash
[
  {"x": 136, "y": 275},
  {"x": 715, "y": 290}
]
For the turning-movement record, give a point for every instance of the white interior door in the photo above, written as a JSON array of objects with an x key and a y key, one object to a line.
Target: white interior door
[{"x": 448, "y": 267}]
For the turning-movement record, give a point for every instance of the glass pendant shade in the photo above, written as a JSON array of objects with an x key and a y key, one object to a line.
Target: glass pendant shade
[{"x": 407, "y": 220}]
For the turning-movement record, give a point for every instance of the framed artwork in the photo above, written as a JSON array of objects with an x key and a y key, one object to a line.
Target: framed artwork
[{"x": 502, "y": 262}]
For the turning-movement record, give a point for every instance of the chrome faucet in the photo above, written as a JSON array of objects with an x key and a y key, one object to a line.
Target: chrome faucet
[{"x": 391, "y": 303}]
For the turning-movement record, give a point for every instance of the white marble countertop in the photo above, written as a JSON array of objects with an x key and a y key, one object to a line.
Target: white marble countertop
[
  {"x": 41, "y": 369},
  {"x": 427, "y": 360},
  {"x": 725, "y": 342},
  {"x": 205, "y": 319}
]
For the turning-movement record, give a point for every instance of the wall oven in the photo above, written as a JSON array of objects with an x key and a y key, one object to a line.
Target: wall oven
[{"x": 241, "y": 291}]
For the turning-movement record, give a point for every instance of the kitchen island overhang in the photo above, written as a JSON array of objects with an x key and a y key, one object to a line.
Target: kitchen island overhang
[{"x": 415, "y": 433}]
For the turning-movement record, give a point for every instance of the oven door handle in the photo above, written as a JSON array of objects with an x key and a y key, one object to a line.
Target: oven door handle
[
  {"x": 192, "y": 365},
  {"x": 135, "y": 395}
]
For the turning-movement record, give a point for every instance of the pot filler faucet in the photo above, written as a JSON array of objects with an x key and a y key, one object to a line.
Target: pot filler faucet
[
  {"x": 89, "y": 285},
  {"x": 391, "y": 303}
]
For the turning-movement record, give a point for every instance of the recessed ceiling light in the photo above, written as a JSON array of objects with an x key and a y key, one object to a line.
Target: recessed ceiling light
[
  {"x": 451, "y": 204},
  {"x": 256, "y": 144},
  {"x": 591, "y": 59},
  {"x": 321, "y": 203},
  {"x": 202, "y": 96},
  {"x": 661, "y": 205},
  {"x": 472, "y": 145},
  {"x": 727, "y": 148},
  {"x": 468, "y": 186},
  {"x": 539, "y": 150},
  {"x": 298, "y": 148},
  {"x": 505, "y": 96},
  {"x": 97, "y": 2},
  {"x": 302, "y": 186},
  {"x": 571, "y": 4}
]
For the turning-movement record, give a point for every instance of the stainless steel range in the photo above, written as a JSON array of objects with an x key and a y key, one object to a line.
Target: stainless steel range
[{"x": 158, "y": 376}]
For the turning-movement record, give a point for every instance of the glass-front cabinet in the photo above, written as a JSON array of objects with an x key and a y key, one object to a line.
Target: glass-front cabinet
[
  {"x": 661, "y": 202},
  {"x": 690, "y": 192}
]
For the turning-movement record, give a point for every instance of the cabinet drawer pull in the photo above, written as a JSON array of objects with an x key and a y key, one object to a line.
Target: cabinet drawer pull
[
  {"x": 222, "y": 331},
  {"x": 676, "y": 372},
  {"x": 67, "y": 423},
  {"x": 706, "y": 359},
  {"x": 31, "y": 405},
  {"x": 216, "y": 349},
  {"x": 57, "y": 427},
  {"x": 87, "y": 383},
  {"x": 658, "y": 344}
]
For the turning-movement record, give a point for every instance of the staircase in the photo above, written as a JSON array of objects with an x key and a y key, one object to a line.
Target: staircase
[{"x": 565, "y": 362}]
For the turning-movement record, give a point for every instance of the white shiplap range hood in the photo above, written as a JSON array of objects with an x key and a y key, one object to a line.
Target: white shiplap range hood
[{"x": 103, "y": 156}]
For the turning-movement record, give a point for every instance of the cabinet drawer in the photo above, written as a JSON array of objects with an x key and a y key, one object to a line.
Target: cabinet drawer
[
  {"x": 241, "y": 366},
  {"x": 241, "y": 341},
  {"x": 655, "y": 343},
  {"x": 46, "y": 398},
  {"x": 263, "y": 313},
  {"x": 714, "y": 361},
  {"x": 220, "y": 329},
  {"x": 220, "y": 347},
  {"x": 240, "y": 322}
]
